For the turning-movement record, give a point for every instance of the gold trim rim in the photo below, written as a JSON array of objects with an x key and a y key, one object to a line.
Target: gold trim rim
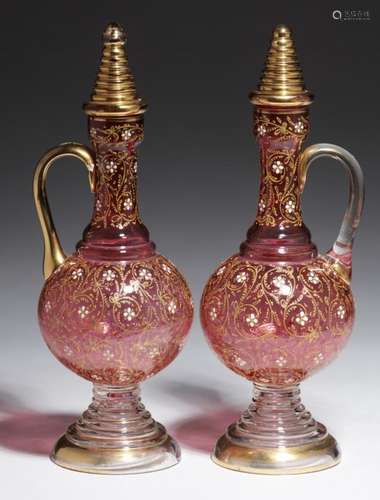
[
  {"x": 274, "y": 472},
  {"x": 106, "y": 110},
  {"x": 259, "y": 99},
  {"x": 72, "y": 457},
  {"x": 273, "y": 461}
]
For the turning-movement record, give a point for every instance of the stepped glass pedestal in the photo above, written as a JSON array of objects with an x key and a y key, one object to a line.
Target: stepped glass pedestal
[
  {"x": 276, "y": 435},
  {"x": 116, "y": 435}
]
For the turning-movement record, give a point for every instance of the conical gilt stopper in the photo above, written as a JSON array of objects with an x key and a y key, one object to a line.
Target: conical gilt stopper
[
  {"x": 115, "y": 91},
  {"x": 282, "y": 82}
]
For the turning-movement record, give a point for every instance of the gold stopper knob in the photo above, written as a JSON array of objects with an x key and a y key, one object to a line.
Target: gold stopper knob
[
  {"x": 115, "y": 91},
  {"x": 281, "y": 82}
]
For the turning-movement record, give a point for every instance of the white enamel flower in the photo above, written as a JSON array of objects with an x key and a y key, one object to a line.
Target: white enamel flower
[
  {"x": 282, "y": 285},
  {"x": 261, "y": 130},
  {"x": 278, "y": 167},
  {"x": 111, "y": 167},
  {"x": 213, "y": 313},
  {"x": 341, "y": 312},
  {"x": 67, "y": 350},
  {"x": 318, "y": 358},
  {"x": 83, "y": 312},
  {"x": 134, "y": 167},
  {"x": 128, "y": 204},
  {"x": 126, "y": 134},
  {"x": 154, "y": 352},
  {"x": 261, "y": 206},
  {"x": 77, "y": 273},
  {"x": 290, "y": 206},
  {"x": 241, "y": 277},
  {"x": 48, "y": 306},
  {"x": 238, "y": 361},
  {"x": 166, "y": 268},
  {"x": 221, "y": 270},
  {"x": 312, "y": 278},
  {"x": 108, "y": 354},
  {"x": 172, "y": 307},
  {"x": 109, "y": 275},
  {"x": 127, "y": 288},
  {"x": 279, "y": 281},
  {"x": 281, "y": 361},
  {"x": 298, "y": 127},
  {"x": 129, "y": 313},
  {"x": 251, "y": 319},
  {"x": 302, "y": 318},
  {"x": 98, "y": 205},
  {"x": 104, "y": 327},
  {"x": 145, "y": 274}
]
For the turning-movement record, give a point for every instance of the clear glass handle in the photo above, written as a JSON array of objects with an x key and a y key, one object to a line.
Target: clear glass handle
[{"x": 342, "y": 248}]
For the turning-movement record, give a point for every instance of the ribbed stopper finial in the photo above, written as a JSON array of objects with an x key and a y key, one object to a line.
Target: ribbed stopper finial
[
  {"x": 282, "y": 82},
  {"x": 115, "y": 91}
]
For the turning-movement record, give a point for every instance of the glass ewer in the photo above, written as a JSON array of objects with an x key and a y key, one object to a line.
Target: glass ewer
[
  {"x": 115, "y": 312},
  {"x": 277, "y": 311}
]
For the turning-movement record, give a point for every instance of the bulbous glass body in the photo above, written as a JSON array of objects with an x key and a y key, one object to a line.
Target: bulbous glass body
[
  {"x": 115, "y": 323},
  {"x": 276, "y": 324}
]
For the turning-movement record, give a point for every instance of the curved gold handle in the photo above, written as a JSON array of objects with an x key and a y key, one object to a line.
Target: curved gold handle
[
  {"x": 341, "y": 251},
  {"x": 53, "y": 253}
]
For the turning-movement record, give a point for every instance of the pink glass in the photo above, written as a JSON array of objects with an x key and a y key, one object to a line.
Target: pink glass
[
  {"x": 115, "y": 312},
  {"x": 277, "y": 311}
]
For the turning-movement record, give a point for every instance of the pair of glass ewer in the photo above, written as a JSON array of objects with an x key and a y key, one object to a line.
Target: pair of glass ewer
[{"x": 116, "y": 312}]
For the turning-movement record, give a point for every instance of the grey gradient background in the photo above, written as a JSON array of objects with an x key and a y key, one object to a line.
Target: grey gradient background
[{"x": 195, "y": 63}]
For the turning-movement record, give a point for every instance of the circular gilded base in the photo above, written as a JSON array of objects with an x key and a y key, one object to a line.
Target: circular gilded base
[
  {"x": 115, "y": 460},
  {"x": 312, "y": 457}
]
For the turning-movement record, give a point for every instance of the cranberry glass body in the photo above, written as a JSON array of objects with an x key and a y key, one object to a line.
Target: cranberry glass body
[
  {"x": 273, "y": 324},
  {"x": 115, "y": 323}
]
